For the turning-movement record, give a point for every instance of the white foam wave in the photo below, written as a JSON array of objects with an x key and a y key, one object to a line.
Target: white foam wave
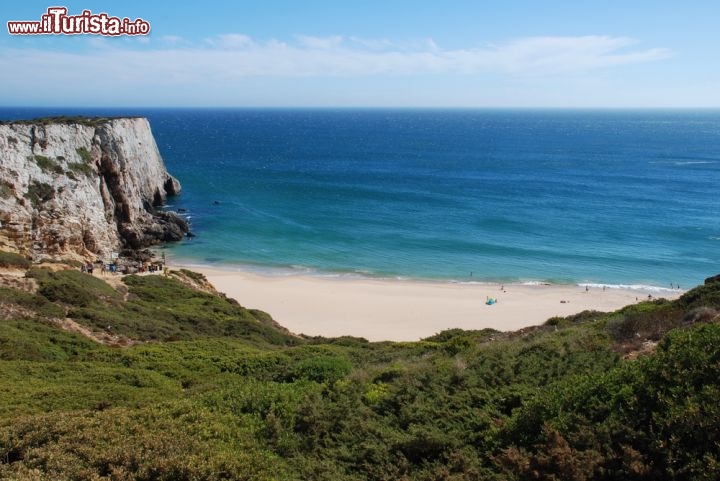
[
  {"x": 632, "y": 287},
  {"x": 301, "y": 270},
  {"x": 683, "y": 162}
]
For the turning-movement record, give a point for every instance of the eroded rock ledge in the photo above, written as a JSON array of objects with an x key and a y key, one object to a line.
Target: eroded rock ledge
[{"x": 83, "y": 187}]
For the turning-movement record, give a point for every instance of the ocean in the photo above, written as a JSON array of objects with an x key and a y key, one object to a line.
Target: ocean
[{"x": 616, "y": 197}]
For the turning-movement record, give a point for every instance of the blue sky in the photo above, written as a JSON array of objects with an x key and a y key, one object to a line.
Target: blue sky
[{"x": 511, "y": 53}]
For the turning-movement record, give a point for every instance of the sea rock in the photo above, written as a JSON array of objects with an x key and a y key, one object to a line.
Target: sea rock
[{"x": 79, "y": 187}]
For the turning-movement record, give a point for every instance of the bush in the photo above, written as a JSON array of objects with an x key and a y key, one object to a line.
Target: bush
[
  {"x": 81, "y": 168},
  {"x": 84, "y": 154},
  {"x": 10, "y": 259},
  {"x": 72, "y": 287},
  {"x": 65, "y": 120},
  {"x": 707, "y": 295},
  {"x": 320, "y": 369},
  {"x": 647, "y": 320},
  {"x": 47, "y": 164},
  {"x": 164, "y": 304},
  {"x": 33, "y": 302},
  {"x": 541, "y": 404},
  {"x": 170, "y": 442},
  {"x": 6, "y": 190},
  {"x": 39, "y": 192},
  {"x": 195, "y": 276}
]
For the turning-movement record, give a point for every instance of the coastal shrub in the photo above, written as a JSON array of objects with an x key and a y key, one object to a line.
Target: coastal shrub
[
  {"x": 84, "y": 154},
  {"x": 646, "y": 320},
  {"x": 320, "y": 369},
  {"x": 47, "y": 164},
  {"x": 541, "y": 403},
  {"x": 556, "y": 321},
  {"x": 33, "y": 302},
  {"x": 170, "y": 442},
  {"x": 196, "y": 276},
  {"x": 705, "y": 295},
  {"x": 35, "y": 340},
  {"x": 701, "y": 314},
  {"x": 73, "y": 287},
  {"x": 11, "y": 259},
  {"x": 266, "y": 366},
  {"x": 39, "y": 273},
  {"x": 6, "y": 190},
  {"x": 162, "y": 308},
  {"x": 39, "y": 192},
  {"x": 64, "y": 120},
  {"x": 446, "y": 335},
  {"x": 450, "y": 334},
  {"x": 345, "y": 341},
  {"x": 647, "y": 419},
  {"x": 81, "y": 168},
  {"x": 67, "y": 292}
]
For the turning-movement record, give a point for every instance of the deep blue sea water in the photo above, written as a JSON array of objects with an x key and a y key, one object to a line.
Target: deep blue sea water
[{"x": 565, "y": 196}]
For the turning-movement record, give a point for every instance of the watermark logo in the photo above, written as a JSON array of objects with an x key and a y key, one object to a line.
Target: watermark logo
[{"x": 57, "y": 22}]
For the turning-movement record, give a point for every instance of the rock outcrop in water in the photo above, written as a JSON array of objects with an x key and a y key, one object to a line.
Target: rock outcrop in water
[{"x": 79, "y": 187}]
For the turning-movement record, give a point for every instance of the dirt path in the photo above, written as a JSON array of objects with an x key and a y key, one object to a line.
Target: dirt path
[{"x": 104, "y": 338}]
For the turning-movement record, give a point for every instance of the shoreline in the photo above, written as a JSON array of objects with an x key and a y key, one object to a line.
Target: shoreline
[
  {"x": 268, "y": 271},
  {"x": 382, "y": 309}
]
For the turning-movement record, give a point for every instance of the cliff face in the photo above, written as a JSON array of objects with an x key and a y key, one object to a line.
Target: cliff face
[{"x": 82, "y": 187}]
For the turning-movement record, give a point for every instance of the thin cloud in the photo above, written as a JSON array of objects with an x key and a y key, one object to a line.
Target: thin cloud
[
  {"x": 173, "y": 40},
  {"x": 432, "y": 45},
  {"x": 373, "y": 43},
  {"x": 232, "y": 57},
  {"x": 547, "y": 55},
  {"x": 319, "y": 43},
  {"x": 336, "y": 56},
  {"x": 231, "y": 41}
]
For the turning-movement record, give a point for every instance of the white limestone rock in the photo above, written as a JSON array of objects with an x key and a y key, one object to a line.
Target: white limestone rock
[{"x": 79, "y": 188}]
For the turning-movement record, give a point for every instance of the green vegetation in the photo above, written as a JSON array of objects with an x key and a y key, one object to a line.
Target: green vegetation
[
  {"x": 84, "y": 167},
  {"x": 81, "y": 168},
  {"x": 6, "y": 190},
  {"x": 215, "y": 391},
  {"x": 65, "y": 120},
  {"x": 10, "y": 259},
  {"x": 47, "y": 164},
  {"x": 39, "y": 192},
  {"x": 195, "y": 276},
  {"x": 157, "y": 308},
  {"x": 84, "y": 154}
]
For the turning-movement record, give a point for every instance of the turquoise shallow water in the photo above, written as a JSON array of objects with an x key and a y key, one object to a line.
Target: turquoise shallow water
[{"x": 616, "y": 197}]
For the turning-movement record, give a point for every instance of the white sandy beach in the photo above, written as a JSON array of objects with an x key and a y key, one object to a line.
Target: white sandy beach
[{"x": 397, "y": 310}]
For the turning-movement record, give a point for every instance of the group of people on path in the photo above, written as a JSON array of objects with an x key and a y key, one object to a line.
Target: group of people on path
[{"x": 113, "y": 268}]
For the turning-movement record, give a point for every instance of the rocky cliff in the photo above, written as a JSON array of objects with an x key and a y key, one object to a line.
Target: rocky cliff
[{"x": 83, "y": 187}]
